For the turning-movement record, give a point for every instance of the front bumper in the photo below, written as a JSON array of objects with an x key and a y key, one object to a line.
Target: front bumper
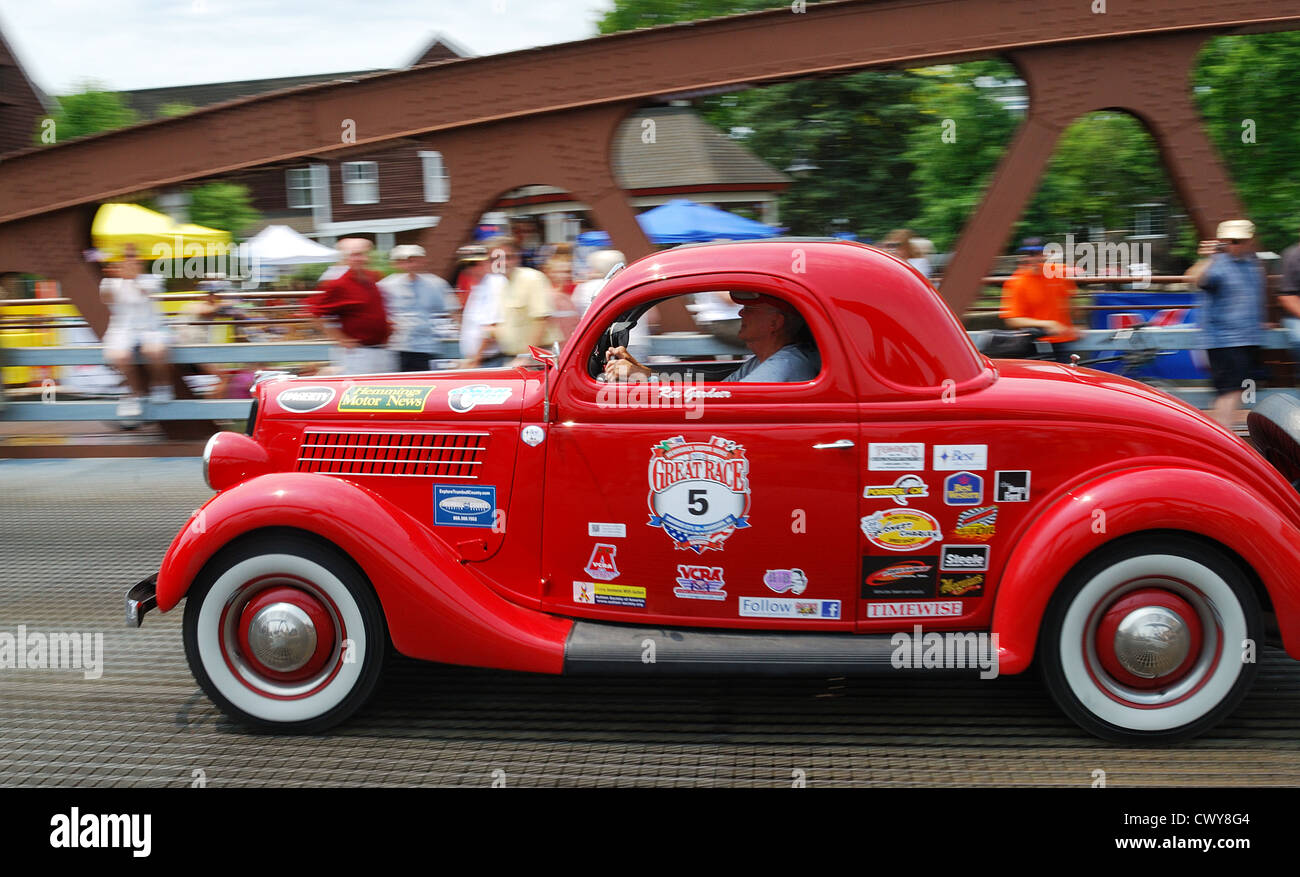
[{"x": 142, "y": 597}]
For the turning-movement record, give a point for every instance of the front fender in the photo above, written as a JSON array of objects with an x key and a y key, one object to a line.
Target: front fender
[
  {"x": 436, "y": 609},
  {"x": 1151, "y": 498}
]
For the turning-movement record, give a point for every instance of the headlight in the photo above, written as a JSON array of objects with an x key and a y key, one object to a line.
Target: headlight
[{"x": 230, "y": 458}]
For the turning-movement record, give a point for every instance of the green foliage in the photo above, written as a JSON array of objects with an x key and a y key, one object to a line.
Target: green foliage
[
  {"x": 225, "y": 206},
  {"x": 632, "y": 14},
  {"x": 177, "y": 108},
  {"x": 1256, "y": 77},
  {"x": 90, "y": 111}
]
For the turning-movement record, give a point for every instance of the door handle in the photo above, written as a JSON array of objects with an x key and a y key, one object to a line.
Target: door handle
[{"x": 842, "y": 443}]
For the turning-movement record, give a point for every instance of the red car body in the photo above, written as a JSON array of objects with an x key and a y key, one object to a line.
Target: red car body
[{"x": 832, "y": 506}]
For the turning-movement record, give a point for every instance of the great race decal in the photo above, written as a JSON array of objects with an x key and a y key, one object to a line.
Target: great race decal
[
  {"x": 901, "y": 529},
  {"x": 699, "y": 491}
]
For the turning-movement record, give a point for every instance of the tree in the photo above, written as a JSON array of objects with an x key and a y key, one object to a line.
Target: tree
[
  {"x": 176, "y": 108},
  {"x": 90, "y": 111},
  {"x": 1246, "y": 87},
  {"x": 632, "y": 14},
  {"x": 224, "y": 206}
]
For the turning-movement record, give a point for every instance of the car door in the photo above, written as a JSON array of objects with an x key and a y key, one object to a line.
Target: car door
[{"x": 700, "y": 502}]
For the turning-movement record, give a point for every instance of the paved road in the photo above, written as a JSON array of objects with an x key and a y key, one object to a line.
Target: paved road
[{"x": 75, "y": 533}]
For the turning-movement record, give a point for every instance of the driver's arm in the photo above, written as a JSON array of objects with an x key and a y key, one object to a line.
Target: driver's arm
[{"x": 622, "y": 366}]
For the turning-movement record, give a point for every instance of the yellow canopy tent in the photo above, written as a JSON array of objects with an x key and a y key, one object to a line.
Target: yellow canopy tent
[{"x": 154, "y": 234}]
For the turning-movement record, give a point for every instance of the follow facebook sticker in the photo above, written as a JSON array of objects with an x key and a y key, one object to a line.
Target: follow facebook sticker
[{"x": 457, "y": 506}]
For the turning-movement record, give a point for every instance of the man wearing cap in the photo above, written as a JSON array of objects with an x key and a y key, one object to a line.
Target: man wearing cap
[
  {"x": 1035, "y": 298},
  {"x": 770, "y": 327},
  {"x": 351, "y": 310},
  {"x": 1231, "y": 312},
  {"x": 419, "y": 305}
]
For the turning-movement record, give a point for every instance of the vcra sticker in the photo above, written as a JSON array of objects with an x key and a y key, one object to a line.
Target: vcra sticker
[
  {"x": 304, "y": 399},
  {"x": 901, "y": 529},
  {"x": 699, "y": 491},
  {"x": 700, "y": 582},
  {"x": 602, "y": 565}
]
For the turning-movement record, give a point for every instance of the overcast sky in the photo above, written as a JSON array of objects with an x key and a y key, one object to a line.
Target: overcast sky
[{"x": 133, "y": 44}]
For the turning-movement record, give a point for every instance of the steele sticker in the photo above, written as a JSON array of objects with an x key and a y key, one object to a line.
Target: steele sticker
[
  {"x": 602, "y": 565},
  {"x": 949, "y": 458},
  {"x": 928, "y": 609},
  {"x": 608, "y": 594},
  {"x": 789, "y": 607},
  {"x": 896, "y": 456},
  {"x": 700, "y": 582},
  {"x": 464, "y": 506},
  {"x": 888, "y": 578},
  {"x": 905, "y": 487},
  {"x": 964, "y": 558},
  {"x": 901, "y": 529},
  {"x": 699, "y": 491},
  {"x": 383, "y": 397}
]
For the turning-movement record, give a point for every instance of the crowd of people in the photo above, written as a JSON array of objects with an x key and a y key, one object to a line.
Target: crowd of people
[{"x": 510, "y": 294}]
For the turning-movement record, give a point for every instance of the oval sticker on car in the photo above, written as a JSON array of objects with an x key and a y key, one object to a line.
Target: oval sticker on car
[
  {"x": 470, "y": 504},
  {"x": 304, "y": 399},
  {"x": 901, "y": 529}
]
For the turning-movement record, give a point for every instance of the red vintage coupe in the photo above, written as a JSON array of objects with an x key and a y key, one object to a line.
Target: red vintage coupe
[{"x": 914, "y": 507}]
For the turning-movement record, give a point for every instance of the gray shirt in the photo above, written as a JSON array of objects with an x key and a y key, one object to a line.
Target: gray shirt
[
  {"x": 790, "y": 363},
  {"x": 1233, "y": 306}
]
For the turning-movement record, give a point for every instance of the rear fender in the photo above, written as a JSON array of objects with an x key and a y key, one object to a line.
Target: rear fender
[
  {"x": 1100, "y": 511},
  {"x": 436, "y": 609}
]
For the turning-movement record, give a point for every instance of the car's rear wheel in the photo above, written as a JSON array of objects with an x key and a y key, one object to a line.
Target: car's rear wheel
[
  {"x": 284, "y": 634},
  {"x": 1151, "y": 641}
]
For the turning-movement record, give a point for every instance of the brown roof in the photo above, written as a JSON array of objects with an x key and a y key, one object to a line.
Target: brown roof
[
  {"x": 22, "y": 104},
  {"x": 148, "y": 101},
  {"x": 686, "y": 151}
]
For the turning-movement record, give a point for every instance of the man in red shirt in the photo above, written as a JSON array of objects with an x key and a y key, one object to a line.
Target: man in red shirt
[
  {"x": 350, "y": 307},
  {"x": 1034, "y": 298}
]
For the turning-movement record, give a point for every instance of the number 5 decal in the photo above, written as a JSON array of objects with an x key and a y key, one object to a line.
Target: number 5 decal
[{"x": 698, "y": 504}]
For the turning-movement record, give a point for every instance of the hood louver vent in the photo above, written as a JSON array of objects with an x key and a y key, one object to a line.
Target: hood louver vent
[{"x": 409, "y": 454}]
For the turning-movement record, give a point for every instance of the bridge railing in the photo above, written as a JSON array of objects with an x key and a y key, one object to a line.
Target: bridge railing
[{"x": 51, "y": 408}]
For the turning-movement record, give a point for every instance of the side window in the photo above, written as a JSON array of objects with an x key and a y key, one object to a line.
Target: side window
[{"x": 741, "y": 335}]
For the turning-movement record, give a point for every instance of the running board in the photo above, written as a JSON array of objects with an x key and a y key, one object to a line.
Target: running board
[{"x": 594, "y": 647}]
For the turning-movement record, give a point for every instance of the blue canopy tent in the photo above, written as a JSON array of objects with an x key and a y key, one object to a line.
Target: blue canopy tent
[{"x": 684, "y": 222}]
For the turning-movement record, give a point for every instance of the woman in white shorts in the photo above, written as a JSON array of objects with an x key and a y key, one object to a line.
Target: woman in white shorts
[{"x": 135, "y": 323}]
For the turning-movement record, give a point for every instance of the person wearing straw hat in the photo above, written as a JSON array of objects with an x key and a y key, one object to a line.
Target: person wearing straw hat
[{"x": 1231, "y": 312}]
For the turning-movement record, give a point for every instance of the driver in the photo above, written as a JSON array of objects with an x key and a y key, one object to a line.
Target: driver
[{"x": 773, "y": 331}]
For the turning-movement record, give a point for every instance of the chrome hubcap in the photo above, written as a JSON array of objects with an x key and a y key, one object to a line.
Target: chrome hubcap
[
  {"x": 282, "y": 637},
  {"x": 1152, "y": 641}
]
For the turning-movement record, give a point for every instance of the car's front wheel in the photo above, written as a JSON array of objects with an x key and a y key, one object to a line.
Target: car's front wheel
[
  {"x": 1151, "y": 641},
  {"x": 284, "y": 634}
]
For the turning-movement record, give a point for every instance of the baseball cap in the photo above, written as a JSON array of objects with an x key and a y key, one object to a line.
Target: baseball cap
[
  {"x": 1031, "y": 245},
  {"x": 406, "y": 251},
  {"x": 472, "y": 253},
  {"x": 1236, "y": 230},
  {"x": 758, "y": 298}
]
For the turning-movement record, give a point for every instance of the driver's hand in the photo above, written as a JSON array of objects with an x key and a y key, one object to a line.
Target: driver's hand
[{"x": 622, "y": 366}]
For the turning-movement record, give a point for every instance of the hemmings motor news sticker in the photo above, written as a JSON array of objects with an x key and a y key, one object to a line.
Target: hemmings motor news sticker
[
  {"x": 901, "y": 529},
  {"x": 699, "y": 491},
  {"x": 456, "y": 506},
  {"x": 606, "y": 594},
  {"x": 601, "y": 565},
  {"x": 383, "y": 397}
]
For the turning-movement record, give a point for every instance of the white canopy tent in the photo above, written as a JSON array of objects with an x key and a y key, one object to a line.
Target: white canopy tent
[{"x": 277, "y": 247}]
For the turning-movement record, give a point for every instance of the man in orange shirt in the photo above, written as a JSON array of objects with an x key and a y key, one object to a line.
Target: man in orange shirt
[{"x": 1035, "y": 298}]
